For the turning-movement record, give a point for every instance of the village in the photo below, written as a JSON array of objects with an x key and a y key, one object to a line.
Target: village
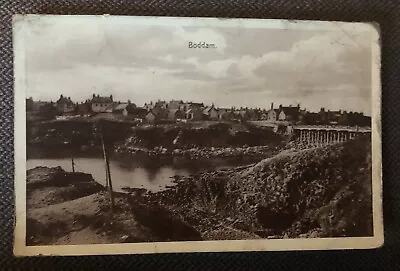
[{"x": 155, "y": 112}]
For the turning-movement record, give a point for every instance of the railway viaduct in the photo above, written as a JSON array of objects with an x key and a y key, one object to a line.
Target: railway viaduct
[
  {"x": 327, "y": 135},
  {"x": 316, "y": 134}
]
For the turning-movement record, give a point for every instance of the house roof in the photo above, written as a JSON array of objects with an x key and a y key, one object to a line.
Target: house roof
[
  {"x": 64, "y": 100},
  {"x": 150, "y": 112},
  {"x": 121, "y": 107},
  {"x": 159, "y": 111},
  {"x": 160, "y": 103},
  {"x": 195, "y": 104},
  {"x": 175, "y": 103},
  {"x": 100, "y": 99},
  {"x": 291, "y": 110},
  {"x": 207, "y": 109}
]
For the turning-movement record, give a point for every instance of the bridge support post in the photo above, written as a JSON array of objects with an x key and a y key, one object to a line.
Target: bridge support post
[
  {"x": 316, "y": 137},
  {"x": 326, "y": 137},
  {"x": 312, "y": 137}
]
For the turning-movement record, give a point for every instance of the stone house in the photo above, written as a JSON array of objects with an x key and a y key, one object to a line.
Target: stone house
[
  {"x": 251, "y": 114},
  {"x": 176, "y": 105},
  {"x": 210, "y": 112},
  {"x": 160, "y": 112},
  {"x": 227, "y": 116},
  {"x": 101, "y": 104},
  {"x": 48, "y": 110},
  {"x": 65, "y": 105},
  {"x": 83, "y": 108},
  {"x": 284, "y": 113},
  {"x": 161, "y": 104},
  {"x": 150, "y": 117},
  {"x": 191, "y": 105},
  {"x": 263, "y": 115},
  {"x": 292, "y": 113},
  {"x": 174, "y": 114},
  {"x": 194, "y": 114},
  {"x": 137, "y": 112}
]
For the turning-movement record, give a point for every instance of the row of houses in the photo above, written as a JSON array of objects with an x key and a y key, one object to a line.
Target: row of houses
[{"x": 178, "y": 109}]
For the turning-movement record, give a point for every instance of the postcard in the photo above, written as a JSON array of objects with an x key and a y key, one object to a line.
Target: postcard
[{"x": 139, "y": 135}]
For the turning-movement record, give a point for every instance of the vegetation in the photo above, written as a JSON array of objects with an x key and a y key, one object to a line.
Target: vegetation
[{"x": 322, "y": 192}]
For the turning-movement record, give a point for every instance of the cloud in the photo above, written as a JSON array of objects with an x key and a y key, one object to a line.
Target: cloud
[{"x": 249, "y": 67}]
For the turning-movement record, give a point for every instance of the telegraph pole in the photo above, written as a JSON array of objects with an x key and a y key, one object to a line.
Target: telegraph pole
[{"x": 108, "y": 173}]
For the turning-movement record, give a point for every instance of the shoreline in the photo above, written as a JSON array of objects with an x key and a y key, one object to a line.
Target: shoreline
[
  {"x": 259, "y": 200},
  {"x": 192, "y": 153}
]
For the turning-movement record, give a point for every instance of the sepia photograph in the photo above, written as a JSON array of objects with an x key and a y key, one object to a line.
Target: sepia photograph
[{"x": 161, "y": 134}]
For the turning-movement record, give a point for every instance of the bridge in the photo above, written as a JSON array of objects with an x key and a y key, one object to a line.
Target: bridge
[
  {"x": 327, "y": 134},
  {"x": 316, "y": 134}
]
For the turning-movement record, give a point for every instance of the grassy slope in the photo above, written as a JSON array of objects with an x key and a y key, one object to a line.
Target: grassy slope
[{"x": 323, "y": 191}]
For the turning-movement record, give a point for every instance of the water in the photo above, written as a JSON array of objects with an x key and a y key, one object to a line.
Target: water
[{"x": 151, "y": 175}]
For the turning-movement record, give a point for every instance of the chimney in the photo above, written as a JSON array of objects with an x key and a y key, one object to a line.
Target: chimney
[
  {"x": 280, "y": 106},
  {"x": 111, "y": 97},
  {"x": 94, "y": 95},
  {"x": 272, "y": 105},
  {"x": 61, "y": 96}
]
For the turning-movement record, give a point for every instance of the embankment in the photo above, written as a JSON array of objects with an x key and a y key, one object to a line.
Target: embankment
[
  {"x": 319, "y": 192},
  {"x": 209, "y": 139},
  {"x": 66, "y": 208}
]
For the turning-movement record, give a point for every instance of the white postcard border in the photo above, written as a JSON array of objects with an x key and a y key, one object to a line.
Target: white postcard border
[{"x": 20, "y": 248}]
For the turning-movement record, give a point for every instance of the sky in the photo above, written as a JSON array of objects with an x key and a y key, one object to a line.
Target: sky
[{"x": 250, "y": 67}]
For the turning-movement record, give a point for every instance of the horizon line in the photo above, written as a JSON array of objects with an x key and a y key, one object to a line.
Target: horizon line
[{"x": 213, "y": 104}]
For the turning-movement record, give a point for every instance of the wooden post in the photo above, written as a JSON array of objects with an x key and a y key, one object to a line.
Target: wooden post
[
  {"x": 105, "y": 157},
  {"x": 73, "y": 164},
  {"x": 108, "y": 173}
]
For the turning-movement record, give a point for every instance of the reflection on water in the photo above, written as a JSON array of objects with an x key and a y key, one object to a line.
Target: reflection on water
[{"x": 149, "y": 173}]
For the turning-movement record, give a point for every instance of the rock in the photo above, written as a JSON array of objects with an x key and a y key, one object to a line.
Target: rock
[{"x": 124, "y": 238}]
